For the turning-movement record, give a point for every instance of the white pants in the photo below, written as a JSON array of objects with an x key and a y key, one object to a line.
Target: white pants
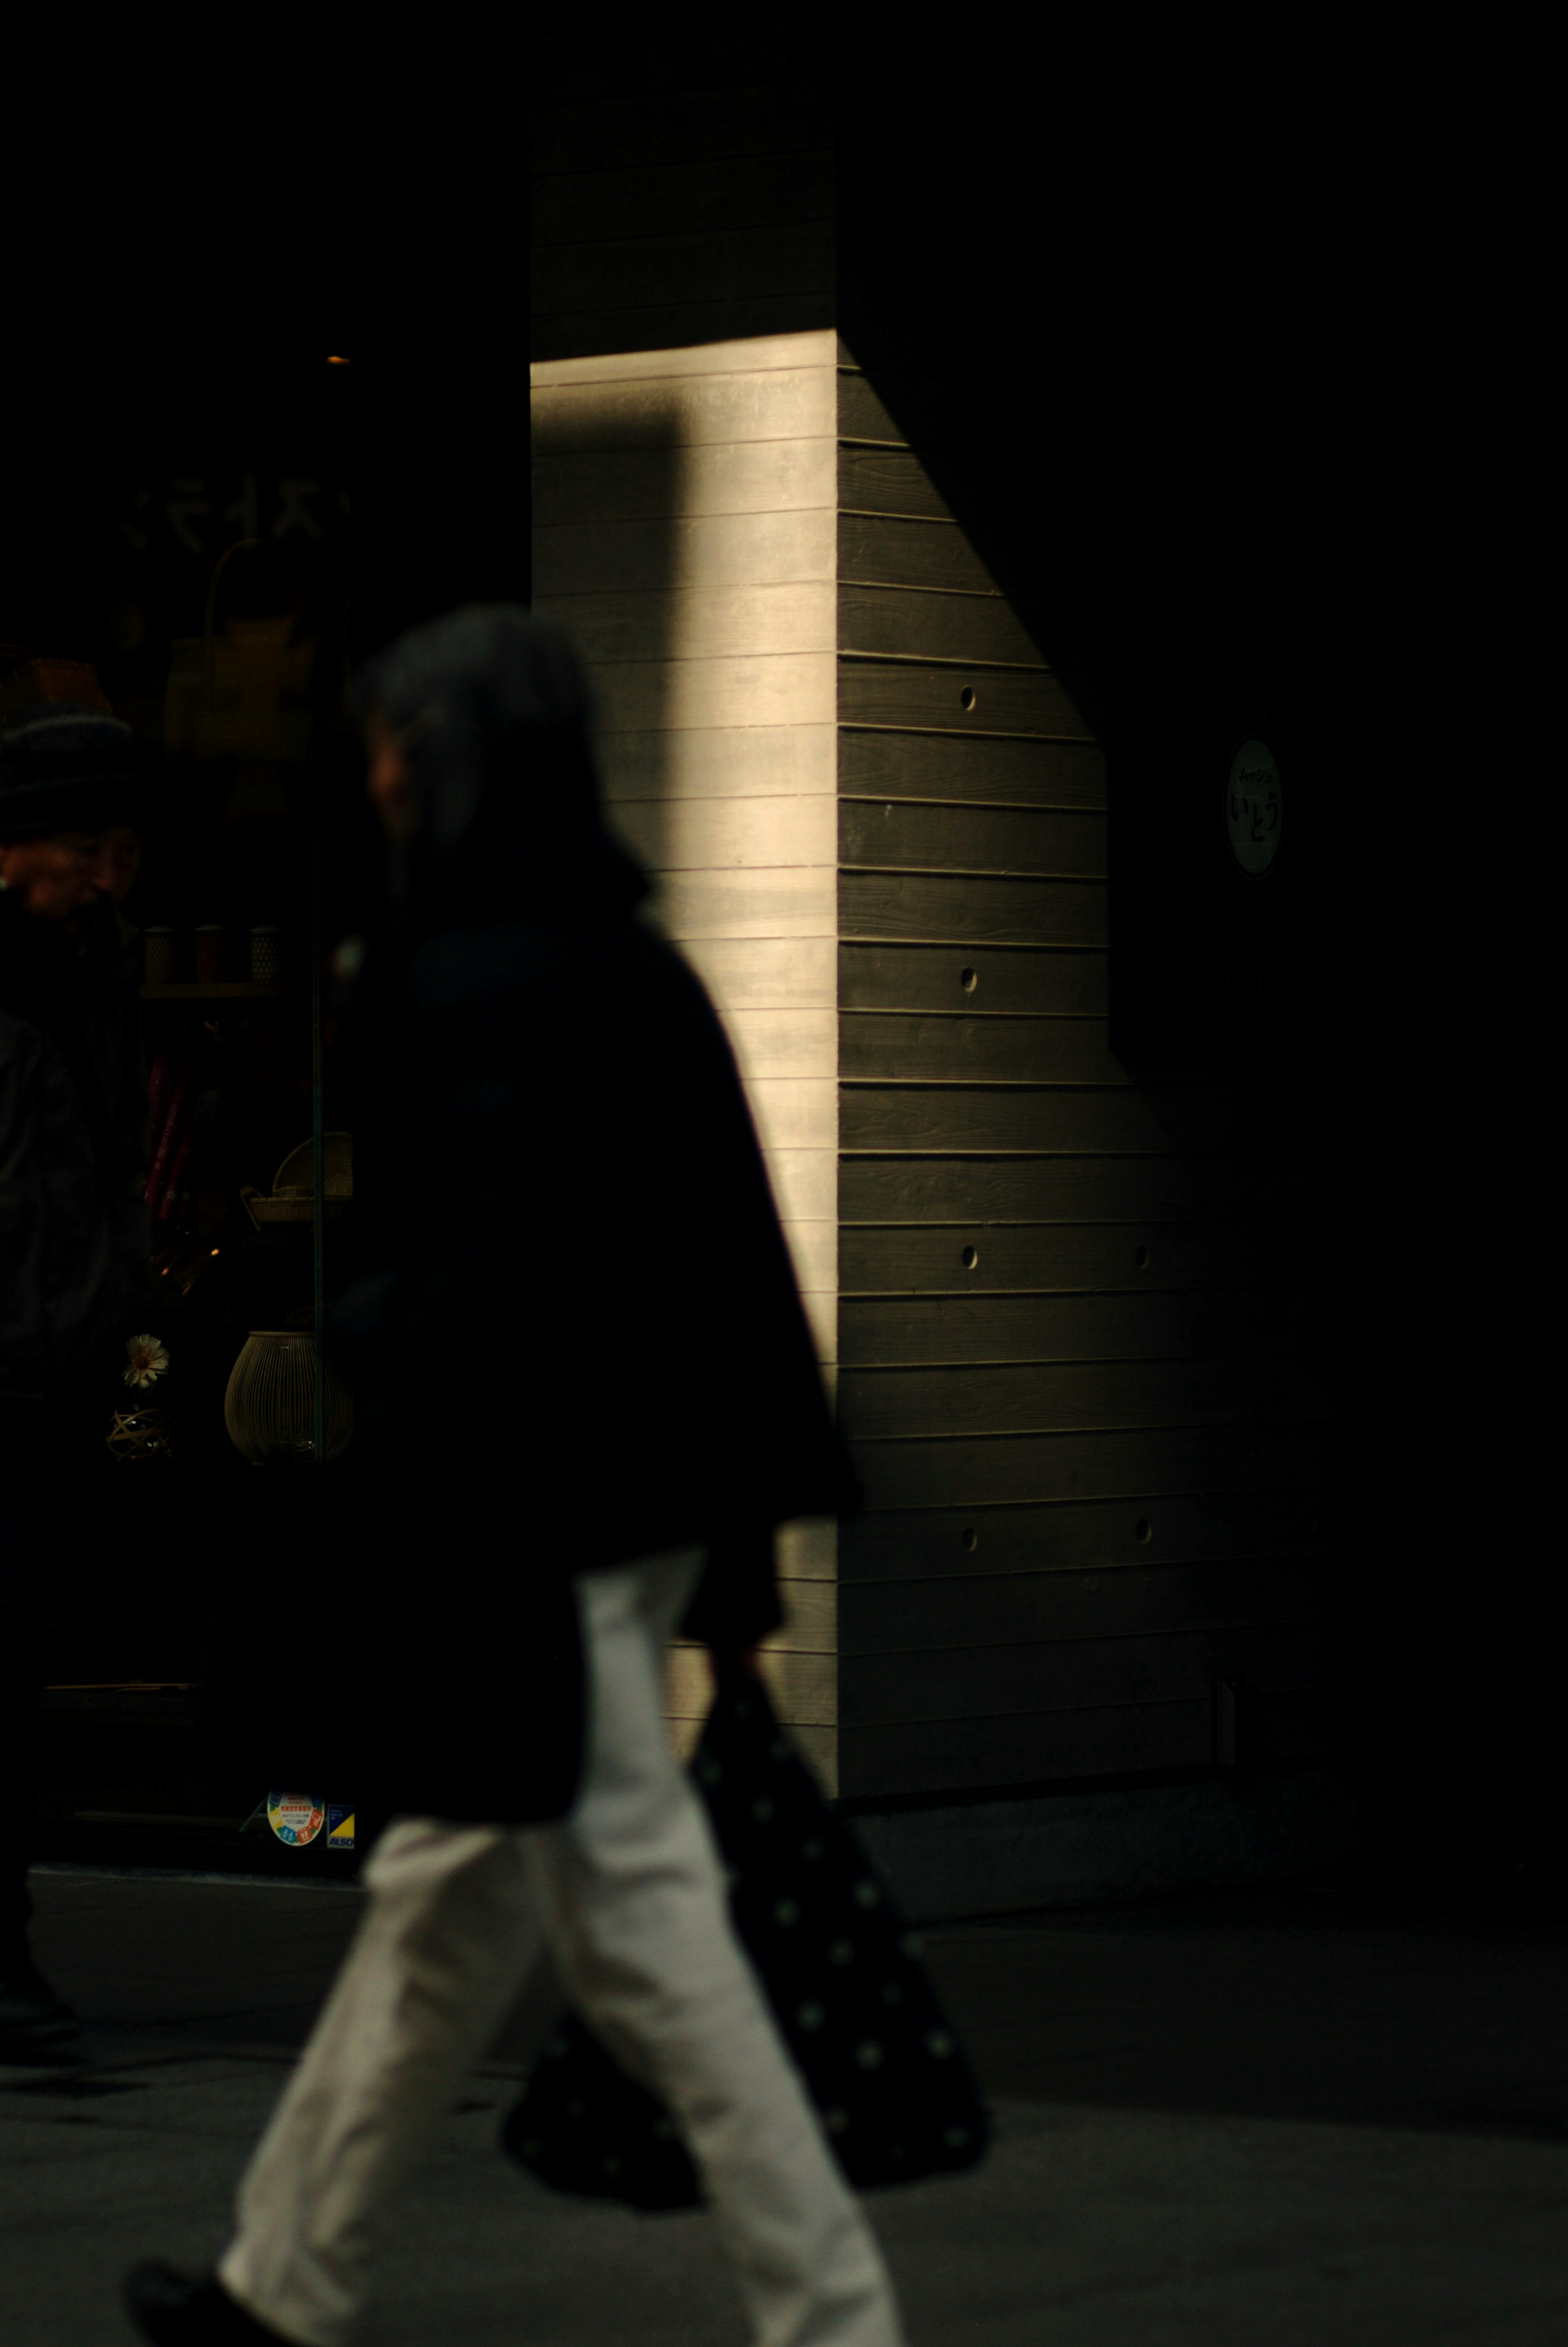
[{"x": 628, "y": 1893}]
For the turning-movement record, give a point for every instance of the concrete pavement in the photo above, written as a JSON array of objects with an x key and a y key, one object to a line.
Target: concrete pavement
[{"x": 1296, "y": 2116}]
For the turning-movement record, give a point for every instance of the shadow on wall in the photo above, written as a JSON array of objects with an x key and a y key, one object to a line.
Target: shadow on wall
[{"x": 607, "y": 488}]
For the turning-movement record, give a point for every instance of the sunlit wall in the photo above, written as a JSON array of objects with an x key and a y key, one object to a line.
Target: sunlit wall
[{"x": 684, "y": 531}]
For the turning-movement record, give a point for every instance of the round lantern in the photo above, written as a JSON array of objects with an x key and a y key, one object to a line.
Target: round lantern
[{"x": 269, "y": 1408}]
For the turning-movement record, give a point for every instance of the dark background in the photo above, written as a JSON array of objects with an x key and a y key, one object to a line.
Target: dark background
[
  {"x": 1229, "y": 365},
  {"x": 1226, "y": 356}
]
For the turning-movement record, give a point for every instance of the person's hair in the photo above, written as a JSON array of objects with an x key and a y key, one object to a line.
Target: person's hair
[{"x": 490, "y": 708}]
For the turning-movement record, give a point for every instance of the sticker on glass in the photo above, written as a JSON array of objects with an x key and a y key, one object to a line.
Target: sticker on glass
[
  {"x": 1255, "y": 807},
  {"x": 295, "y": 1818}
]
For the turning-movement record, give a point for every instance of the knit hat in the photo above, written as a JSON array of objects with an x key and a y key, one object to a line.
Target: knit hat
[{"x": 66, "y": 767}]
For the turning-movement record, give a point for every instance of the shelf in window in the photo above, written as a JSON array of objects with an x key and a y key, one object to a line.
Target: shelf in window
[{"x": 269, "y": 1108}]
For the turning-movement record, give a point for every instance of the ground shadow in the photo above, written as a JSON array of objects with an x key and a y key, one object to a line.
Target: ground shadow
[{"x": 1340, "y": 2003}]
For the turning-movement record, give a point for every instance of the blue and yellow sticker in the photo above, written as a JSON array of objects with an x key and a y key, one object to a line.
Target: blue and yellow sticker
[
  {"x": 340, "y": 1827},
  {"x": 295, "y": 1818}
]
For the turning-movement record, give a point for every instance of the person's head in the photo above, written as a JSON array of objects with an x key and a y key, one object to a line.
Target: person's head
[
  {"x": 70, "y": 788},
  {"x": 479, "y": 763},
  {"x": 389, "y": 777}
]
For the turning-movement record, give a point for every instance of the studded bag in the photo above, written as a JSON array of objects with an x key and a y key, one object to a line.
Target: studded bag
[{"x": 841, "y": 1974}]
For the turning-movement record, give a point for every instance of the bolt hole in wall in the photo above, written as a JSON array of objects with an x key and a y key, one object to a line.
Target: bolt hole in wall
[
  {"x": 969, "y": 980},
  {"x": 1140, "y": 1257},
  {"x": 967, "y": 698},
  {"x": 969, "y": 1257},
  {"x": 1144, "y": 1530},
  {"x": 968, "y": 1540}
]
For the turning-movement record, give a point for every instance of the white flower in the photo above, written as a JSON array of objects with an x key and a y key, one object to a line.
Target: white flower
[{"x": 146, "y": 1359}]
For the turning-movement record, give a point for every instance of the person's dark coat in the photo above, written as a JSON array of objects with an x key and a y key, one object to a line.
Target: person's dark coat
[
  {"x": 576, "y": 1337},
  {"x": 73, "y": 1146}
]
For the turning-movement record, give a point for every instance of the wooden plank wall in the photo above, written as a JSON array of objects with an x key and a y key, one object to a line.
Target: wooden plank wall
[
  {"x": 1086, "y": 1324},
  {"x": 684, "y": 428},
  {"x": 661, "y": 223},
  {"x": 1080, "y": 1326}
]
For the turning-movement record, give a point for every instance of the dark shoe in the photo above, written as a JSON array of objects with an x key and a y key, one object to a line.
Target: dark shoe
[
  {"x": 31, "y": 2015},
  {"x": 177, "y": 2312}
]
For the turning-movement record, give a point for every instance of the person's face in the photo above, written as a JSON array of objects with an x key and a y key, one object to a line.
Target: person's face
[
  {"x": 388, "y": 780},
  {"x": 65, "y": 875}
]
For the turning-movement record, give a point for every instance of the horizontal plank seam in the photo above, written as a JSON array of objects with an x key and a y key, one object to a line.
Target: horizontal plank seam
[
  {"x": 973, "y": 1295},
  {"x": 990, "y": 1154},
  {"x": 1026, "y": 948},
  {"x": 543, "y": 452},
  {"x": 1066, "y": 1222},
  {"x": 965, "y": 1016},
  {"x": 916, "y": 1010},
  {"x": 1026, "y": 1432},
  {"x": 945, "y": 660},
  {"x": 1283, "y": 1154},
  {"x": 1071, "y": 1432},
  {"x": 701, "y": 660},
  {"x": 967, "y": 733},
  {"x": 1305, "y": 1494},
  {"x": 1264, "y": 1161},
  {"x": 674, "y": 236},
  {"x": 823, "y": 1654},
  {"x": 975, "y": 1084},
  {"x": 947, "y": 732},
  {"x": 776, "y": 725},
  {"x": 975, "y": 1509},
  {"x": 1044, "y": 1572},
  {"x": 938, "y": 1084},
  {"x": 950, "y": 1084},
  {"x": 752, "y": 799},
  {"x": 712, "y": 660},
  {"x": 539, "y": 117},
  {"x": 1053, "y": 1573},
  {"x": 695, "y": 302},
  {"x": 1047, "y": 1361},
  {"x": 976, "y": 872},
  {"x": 910, "y": 586},
  {"x": 899, "y": 1221},
  {"x": 1283, "y": 1282},
  {"x": 993, "y": 1155},
  {"x": 1190, "y": 1703},
  {"x": 674, "y": 662},
  {"x": 764, "y": 726},
  {"x": 982, "y": 665},
  {"x": 897, "y": 513},
  {"x": 990, "y": 1018},
  {"x": 1325, "y": 1348},
  {"x": 718, "y": 513},
  {"x": 968, "y": 806},
  {"x": 653, "y": 238},
  {"x": 1325, "y": 1549},
  {"x": 673, "y": 516},
  {"x": 544, "y": 455},
  {"x": 1281, "y": 1622}
]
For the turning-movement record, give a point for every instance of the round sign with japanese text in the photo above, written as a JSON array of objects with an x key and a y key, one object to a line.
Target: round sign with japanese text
[
  {"x": 295, "y": 1818},
  {"x": 1255, "y": 807}
]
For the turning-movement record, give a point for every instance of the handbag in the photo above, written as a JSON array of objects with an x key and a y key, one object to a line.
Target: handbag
[
  {"x": 244, "y": 692},
  {"x": 839, "y": 1969}
]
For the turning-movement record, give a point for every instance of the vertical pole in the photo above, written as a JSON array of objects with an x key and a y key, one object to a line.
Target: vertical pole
[{"x": 318, "y": 1146}]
